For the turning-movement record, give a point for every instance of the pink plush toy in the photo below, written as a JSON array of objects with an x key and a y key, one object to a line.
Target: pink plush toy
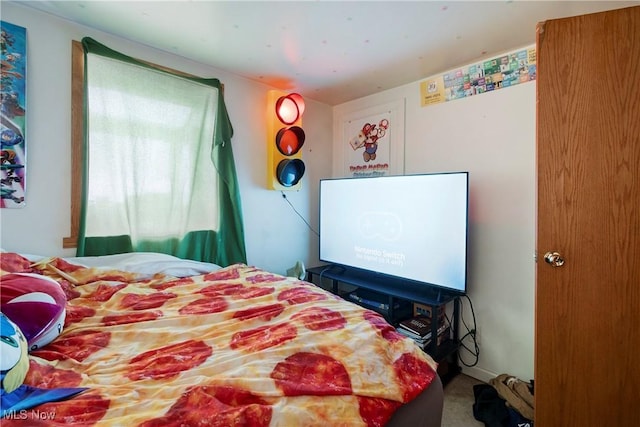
[{"x": 36, "y": 304}]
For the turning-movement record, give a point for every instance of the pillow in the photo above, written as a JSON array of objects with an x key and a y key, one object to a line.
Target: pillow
[
  {"x": 147, "y": 263},
  {"x": 37, "y": 304}
]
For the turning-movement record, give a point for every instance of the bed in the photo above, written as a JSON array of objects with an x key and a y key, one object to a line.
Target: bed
[{"x": 159, "y": 341}]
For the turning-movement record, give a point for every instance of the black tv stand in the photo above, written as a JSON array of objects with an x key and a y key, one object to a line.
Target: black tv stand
[
  {"x": 396, "y": 291},
  {"x": 395, "y": 287}
]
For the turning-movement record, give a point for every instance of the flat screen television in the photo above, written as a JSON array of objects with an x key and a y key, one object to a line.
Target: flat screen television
[{"x": 411, "y": 227}]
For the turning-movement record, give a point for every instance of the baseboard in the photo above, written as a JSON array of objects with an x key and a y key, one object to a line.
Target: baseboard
[{"x": 478, "y": 373}]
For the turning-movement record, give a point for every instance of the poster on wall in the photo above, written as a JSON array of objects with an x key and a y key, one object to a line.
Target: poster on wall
[
  {"x": 370, "y": 142},
  {"x": 497, "y": 73},
  {"x": 12, "y": 120}
]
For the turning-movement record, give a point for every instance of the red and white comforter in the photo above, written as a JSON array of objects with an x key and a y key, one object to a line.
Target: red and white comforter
[{"x": 238, "y": 346}]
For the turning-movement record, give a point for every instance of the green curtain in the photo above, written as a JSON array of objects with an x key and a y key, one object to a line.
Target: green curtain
[{"x": 112, "y": 219}]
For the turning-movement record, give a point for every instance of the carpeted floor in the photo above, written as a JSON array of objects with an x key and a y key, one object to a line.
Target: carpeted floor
[{"x": 458, "y": 402}]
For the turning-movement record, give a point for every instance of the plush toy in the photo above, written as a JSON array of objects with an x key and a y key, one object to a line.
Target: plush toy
[
  {"x": 32, "y": 314},
  {"x": 14, "y": 359},
  {"x": 36, "y": 304},
  {"x": 14, "y": 365}
]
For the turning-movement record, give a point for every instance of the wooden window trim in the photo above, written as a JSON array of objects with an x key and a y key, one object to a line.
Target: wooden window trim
[{"x": 77, "y": 126}]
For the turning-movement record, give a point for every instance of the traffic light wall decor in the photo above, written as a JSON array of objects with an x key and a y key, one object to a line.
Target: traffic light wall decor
[{"x": 285, "y": 138}]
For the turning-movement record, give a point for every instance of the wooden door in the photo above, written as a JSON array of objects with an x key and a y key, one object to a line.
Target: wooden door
[{"x": 587, "y": 362}]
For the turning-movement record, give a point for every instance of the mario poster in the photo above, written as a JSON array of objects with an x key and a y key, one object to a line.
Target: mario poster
[{"x": 369, "y": 141}]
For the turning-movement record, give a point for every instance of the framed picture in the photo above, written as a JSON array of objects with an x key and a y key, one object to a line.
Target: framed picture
[
  {"x": 13, "y": 112},
  {"x": 370, "y": 142}
]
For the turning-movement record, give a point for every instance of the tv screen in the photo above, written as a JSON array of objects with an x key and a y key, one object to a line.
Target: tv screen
[{"x": 411, "y": 227}]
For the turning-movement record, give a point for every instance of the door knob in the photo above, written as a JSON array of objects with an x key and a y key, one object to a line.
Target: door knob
[{"x": 554, "y": 259}]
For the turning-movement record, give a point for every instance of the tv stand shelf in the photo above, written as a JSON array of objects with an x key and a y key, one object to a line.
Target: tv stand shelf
[{"x": 395, "y": 291}]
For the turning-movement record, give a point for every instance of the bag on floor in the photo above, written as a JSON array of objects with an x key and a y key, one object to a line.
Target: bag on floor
[
  {"x": 518, "y": 395},
  {"x": 489, "y": 407},
  {"x": 494, "y": 411}
]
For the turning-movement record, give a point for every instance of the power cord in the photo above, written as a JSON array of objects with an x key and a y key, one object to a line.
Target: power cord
[
  {"x": 471, "y": 333},
  {"x": 284, "y": 196}
]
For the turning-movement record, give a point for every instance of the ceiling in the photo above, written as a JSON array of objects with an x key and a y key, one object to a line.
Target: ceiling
[{"x": 329, "y": 51}]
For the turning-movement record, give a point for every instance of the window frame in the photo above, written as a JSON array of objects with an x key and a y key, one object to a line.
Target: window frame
[
  {"x": 77, "y": 125},
  {"x": 77, "y": 131}
]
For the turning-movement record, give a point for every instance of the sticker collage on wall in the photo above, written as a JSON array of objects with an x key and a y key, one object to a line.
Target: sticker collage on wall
[
  {"x": 496, "y": 73},
  {"x": 13, "y": 116}
]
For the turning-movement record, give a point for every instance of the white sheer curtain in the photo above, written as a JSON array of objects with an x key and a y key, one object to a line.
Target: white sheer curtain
[{"x": 150, "y": 174}]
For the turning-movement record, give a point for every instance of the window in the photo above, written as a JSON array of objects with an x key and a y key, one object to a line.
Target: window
[{"x": 153, "y": 149}]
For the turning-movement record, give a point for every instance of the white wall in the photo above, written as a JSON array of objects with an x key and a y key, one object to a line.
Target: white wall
[
  {"x": 492, "y": 136},
  {"x": 275, "y": 236}
]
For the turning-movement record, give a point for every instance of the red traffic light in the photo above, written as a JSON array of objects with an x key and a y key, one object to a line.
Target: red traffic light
[{"x": 290, "y": 108}]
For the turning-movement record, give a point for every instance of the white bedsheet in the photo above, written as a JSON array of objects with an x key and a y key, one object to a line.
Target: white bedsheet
[{"x": 145, "y": 263}]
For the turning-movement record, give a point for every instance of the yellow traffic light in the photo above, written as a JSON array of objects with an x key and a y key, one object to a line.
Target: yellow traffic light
[{"x": 285, "y": 138}]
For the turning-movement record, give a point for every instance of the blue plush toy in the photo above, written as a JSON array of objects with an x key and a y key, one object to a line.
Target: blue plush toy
[
  {"x": 14, "y": 365},
  {"x": 14, "y": 359}
]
